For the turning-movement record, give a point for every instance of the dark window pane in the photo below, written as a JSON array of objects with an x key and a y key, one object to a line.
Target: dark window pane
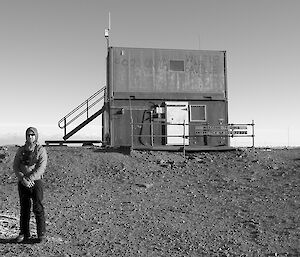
[
  {"x": 177, "y": 65},
  {"x": 198, "y": 113}
]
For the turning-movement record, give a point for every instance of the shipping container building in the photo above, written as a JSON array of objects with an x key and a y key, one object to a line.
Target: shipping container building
[{"x": 165, "y": 99}]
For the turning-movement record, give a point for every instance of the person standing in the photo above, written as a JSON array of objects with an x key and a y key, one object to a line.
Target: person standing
[{"x": 29, "y": 166}]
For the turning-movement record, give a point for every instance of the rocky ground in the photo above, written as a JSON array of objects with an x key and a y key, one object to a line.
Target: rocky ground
[{"x": 99, "y": 202}]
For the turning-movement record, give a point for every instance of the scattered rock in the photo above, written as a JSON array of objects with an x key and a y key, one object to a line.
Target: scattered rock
[
  {"x": 145, "y": 185},
  {"x": 161, "y": 203}
]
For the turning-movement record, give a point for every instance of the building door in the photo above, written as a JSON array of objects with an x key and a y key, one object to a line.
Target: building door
[{"x": 176, "y": 116}]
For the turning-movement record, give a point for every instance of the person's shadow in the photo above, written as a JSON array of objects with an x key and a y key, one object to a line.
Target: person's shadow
[
  {"x": 14, "y": 241},
  {"x": 6, "y": 241}
]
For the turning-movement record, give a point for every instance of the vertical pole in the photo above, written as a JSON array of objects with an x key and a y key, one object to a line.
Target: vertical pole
[
  {"x": 226, "y": 96},
  {"x": 151, "y": 126},
  {"x": 131, "y": 125},
  {"x": 87, "y": 109},
  {"x": 184, "y": 138},
  {"x": 65, "y": 126},
  {"x": 252, "y": 133},
  {"x": 107, "y": 31},
  {"x": 131, "y": 122},
  {"x": 107, "y": 132}
]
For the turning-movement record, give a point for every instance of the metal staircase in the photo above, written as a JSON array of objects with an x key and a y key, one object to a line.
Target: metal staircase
[{"x": 84, "y": 109}]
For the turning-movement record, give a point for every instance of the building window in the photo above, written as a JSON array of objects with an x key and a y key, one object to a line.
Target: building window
[
  {"x": 176, "y": 65},
  {"x": 197, "y": 112}
]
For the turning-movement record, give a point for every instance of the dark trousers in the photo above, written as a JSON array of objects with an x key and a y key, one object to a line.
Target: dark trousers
[{"x": 36, "y": 195}]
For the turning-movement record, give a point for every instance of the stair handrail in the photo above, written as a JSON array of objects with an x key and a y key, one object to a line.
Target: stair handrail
[{"x": 62, "y": 122}]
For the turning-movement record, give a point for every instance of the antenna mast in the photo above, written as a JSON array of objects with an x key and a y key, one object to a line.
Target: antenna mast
[
  {"x": 106, "y": 32},
  {"x": 106, "y": 115}
]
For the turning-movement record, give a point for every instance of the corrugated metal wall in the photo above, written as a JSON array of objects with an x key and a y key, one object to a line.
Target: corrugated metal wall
[{"x": 177, "y": 71}]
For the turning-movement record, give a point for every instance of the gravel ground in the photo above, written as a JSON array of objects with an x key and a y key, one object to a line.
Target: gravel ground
[{"x": 110, "y": 203}]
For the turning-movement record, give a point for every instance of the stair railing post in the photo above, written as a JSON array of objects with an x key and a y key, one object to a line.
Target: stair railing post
[
  {"x": 87, "y": 109},
  {"x": 184, "y": 138},
  {"x": 253, "y": 133},
  {"x": 65, "y": 126}
]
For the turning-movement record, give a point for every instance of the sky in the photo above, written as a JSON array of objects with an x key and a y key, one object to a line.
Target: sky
[{"x": 52, "y": 58}]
